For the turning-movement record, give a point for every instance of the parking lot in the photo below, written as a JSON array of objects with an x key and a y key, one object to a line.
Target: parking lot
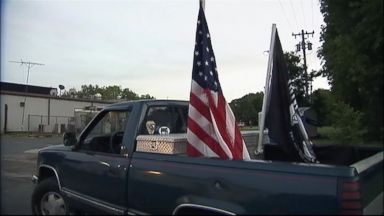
[{"x": 18, "y": 164}]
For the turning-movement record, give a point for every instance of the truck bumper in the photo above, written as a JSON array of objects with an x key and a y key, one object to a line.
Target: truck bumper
[{"x": 35, "y": 179}]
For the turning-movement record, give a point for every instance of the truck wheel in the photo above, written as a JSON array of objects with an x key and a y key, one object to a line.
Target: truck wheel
[{"x": 47, "y": 199}]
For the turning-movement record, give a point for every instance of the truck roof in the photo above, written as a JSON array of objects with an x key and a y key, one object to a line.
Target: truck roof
[{"x": 146, "y": 101}]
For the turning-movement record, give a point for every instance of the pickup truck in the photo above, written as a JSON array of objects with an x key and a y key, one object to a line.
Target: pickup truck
[{"x": 103, "y": 171}]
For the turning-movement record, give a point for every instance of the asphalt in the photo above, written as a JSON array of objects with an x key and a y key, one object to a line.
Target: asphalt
[{"x": 18, "y": 164}]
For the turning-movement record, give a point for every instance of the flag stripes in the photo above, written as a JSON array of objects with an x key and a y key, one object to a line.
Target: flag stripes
[
  {"x": 212, "y": 129},
  {"x": 202, "y": 123}
]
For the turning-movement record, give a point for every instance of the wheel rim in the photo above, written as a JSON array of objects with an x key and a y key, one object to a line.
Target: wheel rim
[{"x": 52, "y": 203}]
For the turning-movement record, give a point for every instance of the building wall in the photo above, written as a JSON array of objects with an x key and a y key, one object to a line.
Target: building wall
[
  {"x": 15, "y": 122},
  {"x": 37, "y": 110}
]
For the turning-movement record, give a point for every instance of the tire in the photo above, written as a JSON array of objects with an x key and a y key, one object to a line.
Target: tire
[{"x": 48, "y": 200}]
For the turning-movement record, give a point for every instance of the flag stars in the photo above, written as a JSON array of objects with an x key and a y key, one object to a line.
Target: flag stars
[
  {"x": 198, "y": 63},
  {"x": 207, "y": 49},
  {"x": 208, "y": 35},
  {"x": 200, "y": 73},
  {"x": 210, "y": 72},
  {"x": 212, "y": 60},
  {"x": 205, "y": 78},
  {"x": 200, "y": 32},
  {"x": 198, "y": 22},
  {"x": 196, "y": 53},
  {"x": 206, "y": 63}
]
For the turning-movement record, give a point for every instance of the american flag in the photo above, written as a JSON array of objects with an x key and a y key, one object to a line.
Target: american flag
[{"x": 212, "y": 129}]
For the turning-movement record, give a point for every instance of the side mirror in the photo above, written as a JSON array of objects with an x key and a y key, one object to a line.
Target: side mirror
[{"x": 69, "y": 138}]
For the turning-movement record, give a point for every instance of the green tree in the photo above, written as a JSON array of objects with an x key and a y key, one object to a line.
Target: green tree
[
  {"x": 323, "y": 103},
  {"x": 352, "y": 57},
  {"x": 347, "y": 124},
  {"x": 146, "y": 96},
  {"x": 89, "y": 91},
  {"x": 297, "y": 76},
  {"x": 111, "y": 92},
  {"x": 246, "y": 108},
  {"x": 128, "y": 94}
]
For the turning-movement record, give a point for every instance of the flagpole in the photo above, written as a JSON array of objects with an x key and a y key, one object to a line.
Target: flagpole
[
  {"x": 202, "y": 2},
  {"x": 260, "y": 144}
]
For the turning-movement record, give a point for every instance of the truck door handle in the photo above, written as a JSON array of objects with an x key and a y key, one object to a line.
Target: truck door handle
[
  {"x": 218, "y": 185},
  {"x": 123, "y": 151}
]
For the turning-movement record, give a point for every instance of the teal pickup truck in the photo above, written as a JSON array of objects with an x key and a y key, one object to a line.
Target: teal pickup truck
[{"x": 130, "y": 159}]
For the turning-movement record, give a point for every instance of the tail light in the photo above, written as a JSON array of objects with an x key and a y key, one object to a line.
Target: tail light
[{"x": 350, "y": 197}]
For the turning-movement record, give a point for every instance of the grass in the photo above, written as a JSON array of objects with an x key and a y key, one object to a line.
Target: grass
[
  {"x": 326, "y": 136},
  {"x": 248, "y": 128}
]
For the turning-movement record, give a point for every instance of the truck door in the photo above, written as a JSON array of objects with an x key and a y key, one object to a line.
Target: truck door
[{"x": 96, "y": 173}]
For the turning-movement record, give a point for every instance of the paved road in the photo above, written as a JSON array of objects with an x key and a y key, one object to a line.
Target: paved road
[{"x": 18, "y": 164}]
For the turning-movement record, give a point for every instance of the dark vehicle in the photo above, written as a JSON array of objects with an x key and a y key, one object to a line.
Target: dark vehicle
[{"x": 103, "y": 170}]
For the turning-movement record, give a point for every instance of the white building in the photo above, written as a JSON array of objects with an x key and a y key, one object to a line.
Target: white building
[{"x": 39, "y": 109}]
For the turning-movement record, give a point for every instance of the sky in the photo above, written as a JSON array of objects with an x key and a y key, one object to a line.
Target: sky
[{"x": 147, "y": 45}]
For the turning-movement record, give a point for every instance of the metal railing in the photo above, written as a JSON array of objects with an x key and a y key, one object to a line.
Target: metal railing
[{"x": 49, "y": 124}]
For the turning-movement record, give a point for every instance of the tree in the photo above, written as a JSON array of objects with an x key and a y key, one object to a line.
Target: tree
[
  {"x": 146, "y": 96},
  {"x": 89, "y": 91},
  {"x": 107, "y": 93},
  {"x": 246, "y": 108},
  {"x": 128, "y": 94},
  {"x": 323, "y": 103},
  {"x": 111, "y": 92},
  {"x": 297, "y": 76},
  {"x": 352, "y": 55}
]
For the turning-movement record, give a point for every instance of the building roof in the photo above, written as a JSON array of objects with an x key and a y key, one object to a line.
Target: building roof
[
  {"x": 7, "y": 88},
  {"x": 22, "y": 88}
]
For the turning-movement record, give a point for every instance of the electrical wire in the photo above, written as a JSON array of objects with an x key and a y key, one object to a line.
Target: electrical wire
[
  {"x": 294, "y": 14},
  {"x": 312, "y": 13},
  {"x": 302, "y": 12},
  {"x": 286, "y": 17}
]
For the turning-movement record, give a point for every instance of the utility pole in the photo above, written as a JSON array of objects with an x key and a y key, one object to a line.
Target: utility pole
[
  {"x": 29, "y": 66},
  {"x": 304, "y": 45}
]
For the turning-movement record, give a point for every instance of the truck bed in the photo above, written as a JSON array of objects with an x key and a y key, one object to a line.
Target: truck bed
[
  {"x": 344, "y": 155},
  {"x": 289, "y": 188},
  {"x": 365, "y": 163}
]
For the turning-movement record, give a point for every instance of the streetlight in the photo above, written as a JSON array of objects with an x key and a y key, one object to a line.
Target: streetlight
[{"x": 61, "y": 87}]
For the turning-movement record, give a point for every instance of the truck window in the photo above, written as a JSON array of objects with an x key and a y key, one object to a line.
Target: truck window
[
  {"x": 163, "y": 130},
  {"x": 107, "y": 134},
  {"x": 165, "y": 120}
]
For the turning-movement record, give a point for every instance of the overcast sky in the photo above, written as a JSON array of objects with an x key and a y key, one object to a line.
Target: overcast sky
[{"x": 148, "y": 46}]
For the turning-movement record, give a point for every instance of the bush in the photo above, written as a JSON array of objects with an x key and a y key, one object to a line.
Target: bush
[{"x": 347, "y": 124}]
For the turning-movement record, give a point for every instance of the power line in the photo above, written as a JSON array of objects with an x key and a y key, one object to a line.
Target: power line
[
  {"x": 302, "y": 12},
  {"x": 286, "y": 17},
  {"x": 312, "y": 13},
  {"x": 294, "y": 13}
]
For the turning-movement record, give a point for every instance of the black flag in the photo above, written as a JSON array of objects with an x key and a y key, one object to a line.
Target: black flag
[{"x": 285, "y": 127}]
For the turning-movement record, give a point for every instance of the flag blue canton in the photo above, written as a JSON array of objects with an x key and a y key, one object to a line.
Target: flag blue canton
[{"x": 204, "y": 66}]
